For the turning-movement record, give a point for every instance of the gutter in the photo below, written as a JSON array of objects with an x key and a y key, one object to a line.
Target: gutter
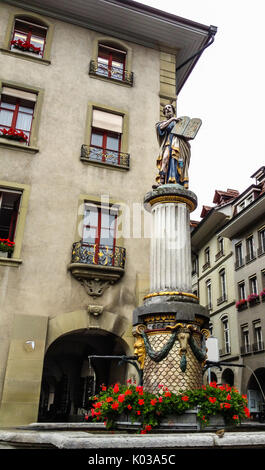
[{"x": 211, "y": 36}]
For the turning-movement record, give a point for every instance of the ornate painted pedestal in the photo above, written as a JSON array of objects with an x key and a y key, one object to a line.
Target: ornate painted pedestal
[{"x": 170, "y": 328}]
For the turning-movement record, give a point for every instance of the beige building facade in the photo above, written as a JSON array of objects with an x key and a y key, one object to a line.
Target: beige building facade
[
  {"x": 246, "y": 232},
  {"x": 81, "y": 89},
  {"x": 215, "y": 283}
]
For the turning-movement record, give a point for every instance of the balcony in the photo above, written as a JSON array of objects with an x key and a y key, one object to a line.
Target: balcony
[
  {"x": 259, "y": 346},
  {"x": 97, "y": 262},
  {"x": 222, "y": 299},
  {"x": 250, "y": 257},
  {"x": 224, "y": 351},
  {"x": 252, "y": 348},
  {"x": 206, "y": 266},
  {"x": 239, "y": 263},
  {"x": 113, "y": 73},
  {"x": 219, "y": 255},
  {"x": 261, "y": 250},
  {"x": 110, "y": 158},
  {"x": 245, "y": 349}
]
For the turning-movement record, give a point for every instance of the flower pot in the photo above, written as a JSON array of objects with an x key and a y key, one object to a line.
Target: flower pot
[
  {"x": 3, "y": 254},
  {"x": 187, "y": 421}
]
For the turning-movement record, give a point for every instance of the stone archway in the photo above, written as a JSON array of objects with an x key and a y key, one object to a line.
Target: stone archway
[
  {"x": 256, "y": 393},
  {"x": 70, "y": 377},
  {"x": 228, "y": 377}
]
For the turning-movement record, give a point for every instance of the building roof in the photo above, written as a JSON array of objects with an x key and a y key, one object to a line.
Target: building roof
[
  {"x": 132, "y": 21},
  {"x": 248, "y": 216}
]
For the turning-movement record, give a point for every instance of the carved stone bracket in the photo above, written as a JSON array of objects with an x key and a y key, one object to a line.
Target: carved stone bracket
[
  {"x": 95, "y": 287},
  {"x": 95, "y": 310}
]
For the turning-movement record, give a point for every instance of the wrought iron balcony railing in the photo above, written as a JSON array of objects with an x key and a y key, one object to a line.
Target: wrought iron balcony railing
[
  {"x": 100, "y": 255},
  {"x": 246, "y": 349},
  {"x": 222, "y": 299},
  {"x": 259, "y": 346},
  {"x": 225, "y": 350},
  {"x": 206, "y": 266},
  {"x": 113, "y": 73},
  {"x": 105, "y": 157},
  {"x": 261, "y": 250},
  {"x": 239, "y": 263},
  {"x": 250, "y": 257}
]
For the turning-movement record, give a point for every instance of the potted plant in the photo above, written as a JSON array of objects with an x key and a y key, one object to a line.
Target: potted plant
[
  {"x": 6, "y": 247},
  {"x": 146, "y": 411},
  {"x": 14, "y": 134}
]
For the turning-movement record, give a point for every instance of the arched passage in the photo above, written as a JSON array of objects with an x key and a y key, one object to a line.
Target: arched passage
[
  {"x": 228, "y": 377},
  {"x": 256, "y": 393},
  {"x": 70, "y": 377}
]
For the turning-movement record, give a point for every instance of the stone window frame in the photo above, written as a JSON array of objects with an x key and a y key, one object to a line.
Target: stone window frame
[
  {"x": 48, "y": 42},
  {"x": 125, "y": 131},
  {"x": 21, "y": 221},
  {"x": 120, "y": 44},
  {"x": 92, "y": 199},
  {"x": 226, "y": 334},
  {"x": 13, "y": 145}
]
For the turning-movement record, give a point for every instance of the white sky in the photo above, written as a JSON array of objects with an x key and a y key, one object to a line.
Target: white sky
[{"x": 225, "y": 90}]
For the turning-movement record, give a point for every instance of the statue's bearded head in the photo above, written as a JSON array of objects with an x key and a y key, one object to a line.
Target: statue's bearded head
[{"x": 169, "y": 111}]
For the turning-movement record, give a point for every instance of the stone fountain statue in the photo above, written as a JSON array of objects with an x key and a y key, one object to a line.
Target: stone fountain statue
[{"x": 171, "y": 328}]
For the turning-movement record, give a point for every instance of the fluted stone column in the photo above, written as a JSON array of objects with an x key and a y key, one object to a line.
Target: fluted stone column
[
  {"x": 170, "y": 263},
  {"x": 170, "y": 259},
  {"x": 170, "y": 327}
]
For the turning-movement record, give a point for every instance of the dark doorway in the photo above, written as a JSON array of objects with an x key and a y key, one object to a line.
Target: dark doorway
[{"x": 70, "y": 378}]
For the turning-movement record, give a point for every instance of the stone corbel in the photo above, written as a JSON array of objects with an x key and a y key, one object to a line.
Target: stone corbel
[
  {"x": 95, "y": 310},
  {"x": 95, "y": 287}
]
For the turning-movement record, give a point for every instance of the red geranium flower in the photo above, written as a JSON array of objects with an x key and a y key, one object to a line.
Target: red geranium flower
[
  {"x": 116, "y": 388},
  {"x": 185, "y": 398},
  {"x": 213, "y": 384},
  {"x": 212, "y": 399},
  {"x": 115, "y": 405},
  {"x": 141, "y": 402}
]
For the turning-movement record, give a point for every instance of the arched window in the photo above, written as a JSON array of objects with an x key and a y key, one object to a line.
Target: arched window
[{"x": 29, "y": 36}]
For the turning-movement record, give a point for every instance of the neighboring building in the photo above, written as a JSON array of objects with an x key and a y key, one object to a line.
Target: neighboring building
[
  {"x": 246, "y": 232},
  {"x": 82, "y": 86},
  {"x": 215, "y": 283}
]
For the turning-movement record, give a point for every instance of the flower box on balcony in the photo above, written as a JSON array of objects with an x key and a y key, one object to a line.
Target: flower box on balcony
[
  {"x": 25, "y": 46},
  {"x": 241, "y": 304},
  {"x": 6, "y": 247},
  {"x": 253, "y": 299},
  {"x": 13, "y": 134}
]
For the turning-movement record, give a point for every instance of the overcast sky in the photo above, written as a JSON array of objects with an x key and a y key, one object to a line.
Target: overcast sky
[{"x": 225, "y": 90}]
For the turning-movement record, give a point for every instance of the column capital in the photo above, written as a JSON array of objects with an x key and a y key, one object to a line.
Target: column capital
[{"x": 170, "y": 193}]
